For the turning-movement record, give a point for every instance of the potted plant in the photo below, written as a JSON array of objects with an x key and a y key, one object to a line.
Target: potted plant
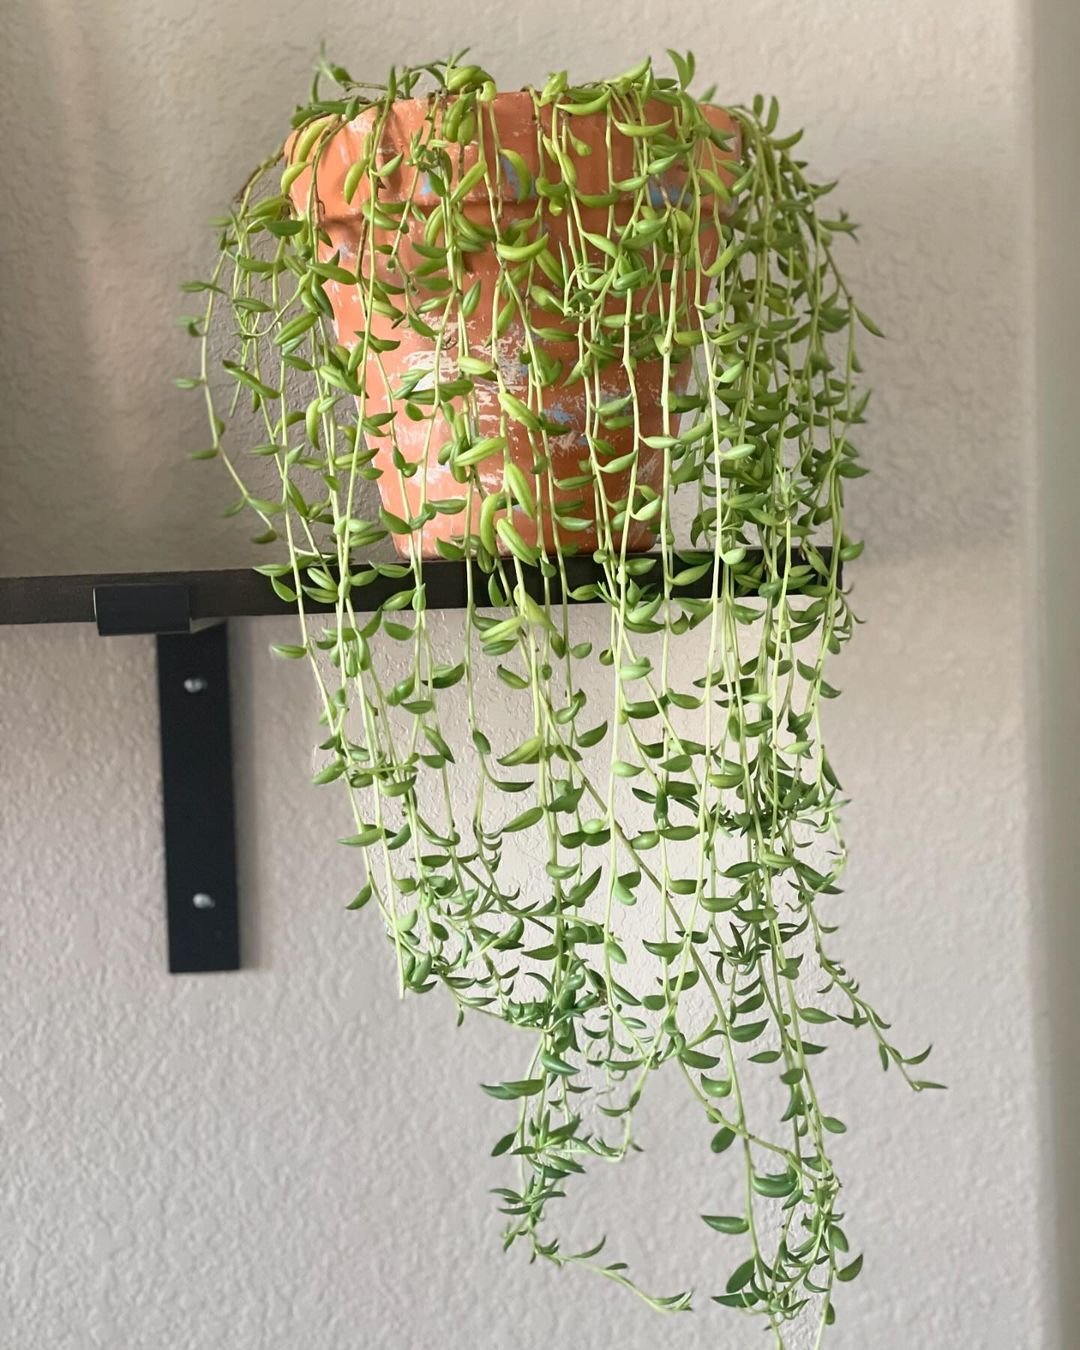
[{"x": 600, "y": 322}]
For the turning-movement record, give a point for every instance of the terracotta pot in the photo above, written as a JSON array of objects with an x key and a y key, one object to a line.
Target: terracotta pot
[{"x": 512, "y": 125}]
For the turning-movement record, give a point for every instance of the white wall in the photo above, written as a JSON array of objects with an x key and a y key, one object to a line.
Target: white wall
[{"x": 286, "y": 1156}]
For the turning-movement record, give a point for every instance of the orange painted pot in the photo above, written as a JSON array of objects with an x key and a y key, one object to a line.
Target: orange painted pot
[{"x": 510, "y": 122}]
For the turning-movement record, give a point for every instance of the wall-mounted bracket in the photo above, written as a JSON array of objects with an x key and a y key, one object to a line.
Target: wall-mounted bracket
[
  {"x": 201, "y": 895},
  {"x": 202, "y": 903}
]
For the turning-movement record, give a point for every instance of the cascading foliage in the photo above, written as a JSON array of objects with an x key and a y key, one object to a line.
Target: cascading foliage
[{"x": 625, "y": 850}]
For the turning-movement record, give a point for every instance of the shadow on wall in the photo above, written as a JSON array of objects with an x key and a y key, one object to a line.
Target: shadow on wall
[
  {"x": 62, "y": 344},
  {"x": 88, "y": 311},
  {"x": 107, "y": 189}
]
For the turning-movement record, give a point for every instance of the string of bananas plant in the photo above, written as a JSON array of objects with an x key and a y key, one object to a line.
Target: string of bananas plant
[{"x": 599, "y": 321}]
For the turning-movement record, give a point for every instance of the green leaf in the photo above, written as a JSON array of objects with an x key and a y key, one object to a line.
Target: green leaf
[
  {"x": 850, "y": 1272},
  {"x": 727, "y": 1223},
  {"x": 518, "y": 411},
  {"x": 729, "y": 376},
  {"x": 600, "y": 242},
  {"x": 364, "y": 838},
  {"x": 581, "y": 892},
  {"x": 684, "y": 67},
  {"x": 469, "y": 179},
  {"x": 556, "y": 1065},
  {"x": 615, "y": 952},
  {"x": 522, "y": 1087},
  {"x": 746, "y": 1298},
  {"x": 593, "y": 736},
  {"x": 748, "y": 1031},
  {"x": 697, "y": 1059},
  {"x": 722, "y": 1140},
  {"x": 668, "y": 951},
  {"x": 741, "y": 1276},
  {"x": 511, "y": 678},
  {"x": 623, "y": 893},
  {"x": 775, "y": 1186},
  {"x": 528, "y": 752},
  {"x": 250, "y": 381},
  {"x": 524, "y": 820},
  {"x": 362, "y": 897},
  {"x": 333, "y": 770}
]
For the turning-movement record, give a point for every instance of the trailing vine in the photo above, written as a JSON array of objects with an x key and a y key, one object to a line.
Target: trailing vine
[{"x": 676, "y": 787}]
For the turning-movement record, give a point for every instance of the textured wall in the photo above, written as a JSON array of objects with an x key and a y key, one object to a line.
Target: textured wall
[
  {"x": 1052, "y": 576},
  {"x": 287, "y": 1157}
]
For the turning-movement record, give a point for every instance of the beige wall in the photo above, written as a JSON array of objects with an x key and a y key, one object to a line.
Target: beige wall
[{"x": 286, "y": 1157}]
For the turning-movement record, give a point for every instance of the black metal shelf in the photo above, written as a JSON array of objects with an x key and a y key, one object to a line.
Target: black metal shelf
[
  {"x": 155, "y": 602},
  {"x": 169, "y": 602}
]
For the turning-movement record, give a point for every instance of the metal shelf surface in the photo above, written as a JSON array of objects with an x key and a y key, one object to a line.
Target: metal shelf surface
[{"x": 152, "y": 602}]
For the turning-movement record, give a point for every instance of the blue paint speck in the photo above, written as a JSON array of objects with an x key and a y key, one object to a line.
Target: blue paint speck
[
  {"x": 512, "y": 177},
  {"x": 563, "y": 416}
]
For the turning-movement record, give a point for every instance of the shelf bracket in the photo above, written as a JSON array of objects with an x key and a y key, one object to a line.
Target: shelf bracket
[{"x": 201, "y": 897}]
